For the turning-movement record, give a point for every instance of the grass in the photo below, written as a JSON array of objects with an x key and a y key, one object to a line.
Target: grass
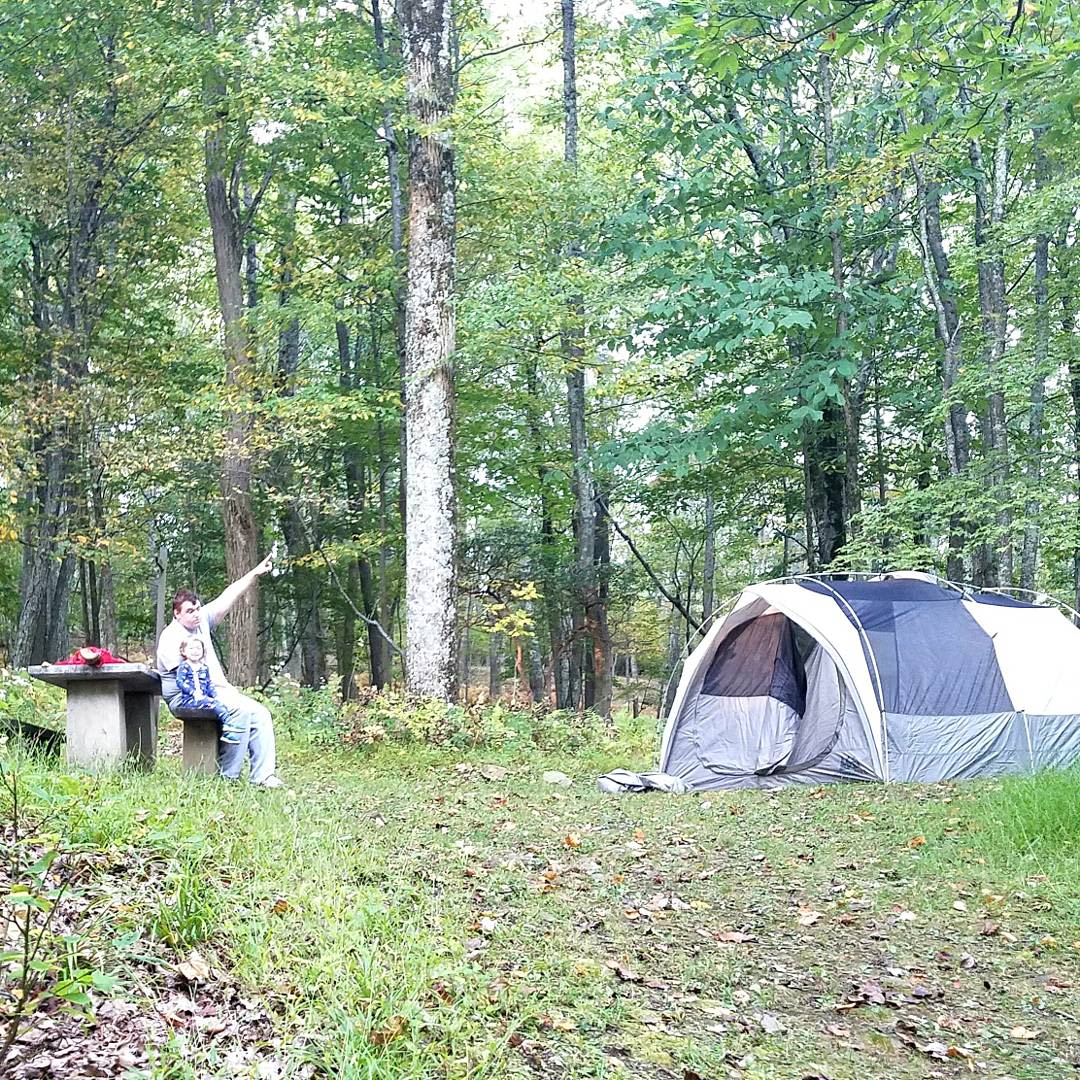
[{"x": 398, "y": 914}]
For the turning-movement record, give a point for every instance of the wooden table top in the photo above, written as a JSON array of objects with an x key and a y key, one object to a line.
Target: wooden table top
[{"x": 140, "y": 677}]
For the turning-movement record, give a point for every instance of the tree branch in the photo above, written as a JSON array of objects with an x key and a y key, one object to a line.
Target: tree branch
[{"x": 674, "y": 601}]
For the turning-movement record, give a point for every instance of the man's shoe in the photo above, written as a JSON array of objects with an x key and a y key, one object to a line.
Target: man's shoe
[{"x": 271, "y": 782}]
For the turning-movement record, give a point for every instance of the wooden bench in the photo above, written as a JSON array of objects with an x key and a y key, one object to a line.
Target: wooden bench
[{"x": 112, "y": 717}]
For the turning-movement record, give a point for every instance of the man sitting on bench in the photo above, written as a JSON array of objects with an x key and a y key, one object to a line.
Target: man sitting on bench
[{"x": 192, "y": 619}]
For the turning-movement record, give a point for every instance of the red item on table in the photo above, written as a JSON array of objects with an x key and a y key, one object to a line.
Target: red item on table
[{"x": 90, "y": 656}]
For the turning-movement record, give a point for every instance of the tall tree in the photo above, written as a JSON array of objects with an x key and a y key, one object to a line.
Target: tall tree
[
  {"x": 224, "y": 143},
  {"x": 429, "y": 346},
  {"x": 589, "y": 622}
]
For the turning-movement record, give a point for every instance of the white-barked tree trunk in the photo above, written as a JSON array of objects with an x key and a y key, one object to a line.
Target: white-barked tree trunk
[{"x": 429, "y": 346}]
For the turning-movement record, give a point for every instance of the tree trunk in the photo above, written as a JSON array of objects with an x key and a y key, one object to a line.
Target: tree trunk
[
  {"x": 560, "y": 662},
  {"x": 1037, "y": 401},
  {"x": 347, "y": 635},
  {"x": 596, "y": 615},
  {"x": 161, "y": 566},
  {"x": 942, "y": 291},
  {"x": 851, "y": 405},
  {"x": 397, "y": 237},
  {"x": 429, "y": 346},
  {"x": 825, "y": 473},
  {"x": 989, "y": 214},
  {"x": 592, "y": 621},
  {"x": 536, "y": 669},
  {"x": 708, "y": 566},
  {"x": 495, "y": 659},
  {"x": 305, "y": 582},
  {"x": 241, "y": 535},
  {"x": 45, "y": 578},
  {"x": 674, "y": 659}
]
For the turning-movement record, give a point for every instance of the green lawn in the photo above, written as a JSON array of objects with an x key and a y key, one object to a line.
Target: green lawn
[{"x": 406, "y": 911}]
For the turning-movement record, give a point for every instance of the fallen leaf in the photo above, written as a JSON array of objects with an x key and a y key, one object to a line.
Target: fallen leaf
[
  {"x": 280, "y": 906},
  {"x": 1023, "y": 1034},
  {"x": 392, "y": 1029},
  {"x": 770, "y": 1024},
  {"x": 990, "y": 928},
  {"x": 572, "y": 840},
  {"x": 916, "y": 841},
  {"x": 195, "y": 968},
  {"x": 639, "y": 835},
  {"x": 492, "y": 772},
  {"x": 959, "y": 905},
  {"x": 735, "y": 937},
  {"x": 808, "y": 916},
  {"x": 933, "y": 1049},
  {"x": 558, "y": 1023},
  {"x": 553, "y": 776}
]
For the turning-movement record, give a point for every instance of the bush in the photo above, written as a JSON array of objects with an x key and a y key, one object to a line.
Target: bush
[
  {"x": 320, "y": 717},
  {"x": 303, "y": 714},
  {"x": 29, "y": 701}
]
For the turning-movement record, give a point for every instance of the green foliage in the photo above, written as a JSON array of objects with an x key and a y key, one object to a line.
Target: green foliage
[
  {"x": 26, "y": 700},
  {"x": 396, "y": 719},
  {"x": 48, "y": 938}
]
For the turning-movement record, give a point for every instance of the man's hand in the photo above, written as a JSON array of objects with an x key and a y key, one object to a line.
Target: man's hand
[{"x": 219, "y": 607}]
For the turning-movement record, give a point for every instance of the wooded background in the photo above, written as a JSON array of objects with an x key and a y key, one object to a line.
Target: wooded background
[{"x": 528, "y": 345}]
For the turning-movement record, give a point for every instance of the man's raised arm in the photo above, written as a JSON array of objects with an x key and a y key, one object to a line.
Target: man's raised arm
[{"x": 218, "y": 608}]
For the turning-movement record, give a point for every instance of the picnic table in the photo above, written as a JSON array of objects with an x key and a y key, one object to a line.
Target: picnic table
[{"x": 112, "y": 712}]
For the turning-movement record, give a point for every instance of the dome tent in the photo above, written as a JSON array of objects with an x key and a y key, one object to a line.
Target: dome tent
[{"x": 901, "y": 677}]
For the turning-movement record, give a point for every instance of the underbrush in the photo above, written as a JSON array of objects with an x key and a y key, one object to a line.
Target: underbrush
[
  {"x": 24, "y": 700},
  {"x": 321, "y": 718}
]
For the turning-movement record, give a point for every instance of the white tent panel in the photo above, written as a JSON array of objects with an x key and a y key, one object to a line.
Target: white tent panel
[{"x": 1038, "y": 652}]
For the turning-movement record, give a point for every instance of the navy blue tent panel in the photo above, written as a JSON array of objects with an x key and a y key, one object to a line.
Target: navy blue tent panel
[
  {"x": 1001, "y": 600},
  {"x": 759, "y": 659},
  {"x": 931, "y": 656}
]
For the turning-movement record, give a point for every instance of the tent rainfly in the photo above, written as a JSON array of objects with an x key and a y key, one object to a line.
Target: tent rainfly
[{"x": 897, "y": 678}]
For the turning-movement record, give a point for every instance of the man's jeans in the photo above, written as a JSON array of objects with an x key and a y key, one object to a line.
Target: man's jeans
[{"x": 256, "y": 732}]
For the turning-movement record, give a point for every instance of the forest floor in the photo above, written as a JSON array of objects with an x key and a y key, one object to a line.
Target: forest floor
[{"x": 404, "y": 911}]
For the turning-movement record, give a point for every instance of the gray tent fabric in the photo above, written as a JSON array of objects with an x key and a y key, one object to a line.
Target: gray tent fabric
[
  {"x": 897, "y": 678},
  {"x": 623, "y": 781}
]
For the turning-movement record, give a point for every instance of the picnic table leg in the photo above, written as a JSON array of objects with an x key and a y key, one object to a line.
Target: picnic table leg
[
  {"x": 141, "y": 721},
  {"x": 201, "y": 744},
  {"x": 96, "y": 725}
]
